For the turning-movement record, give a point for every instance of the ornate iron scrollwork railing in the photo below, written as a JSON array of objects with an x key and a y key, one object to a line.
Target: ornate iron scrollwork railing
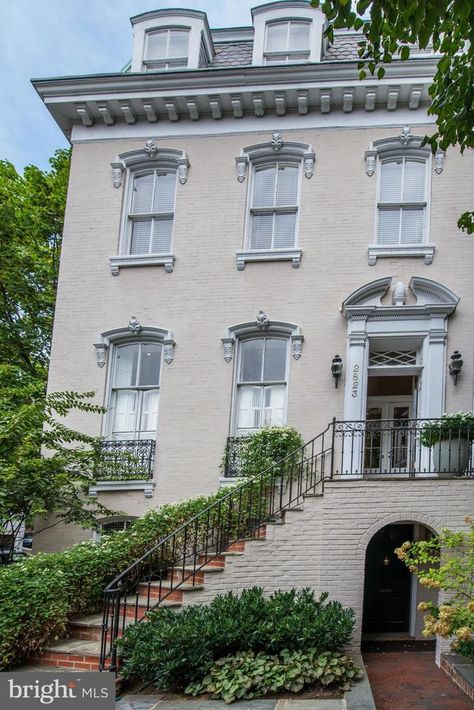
[
  {"x": 232, "y": 462},
  {"x": 125, "y": 460}
]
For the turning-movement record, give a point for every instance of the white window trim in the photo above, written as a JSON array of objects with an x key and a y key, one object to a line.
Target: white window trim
[
  {"x": 275, "y": 151},
  {"x": 166, "y": 62},
  {"x": 104, "y": 349},
  {"x": 389, "y": 148},
  {"x": 132, "y": 163},
  {"x": 283, "y": 11},
  {"x": 287, "y": 53},
  {"x": 257, "y": 334}
]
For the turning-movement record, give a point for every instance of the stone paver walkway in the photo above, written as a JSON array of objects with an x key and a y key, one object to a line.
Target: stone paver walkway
[
  {"x": 412, "y": 681},
  {"x": 150, "y": 702}
]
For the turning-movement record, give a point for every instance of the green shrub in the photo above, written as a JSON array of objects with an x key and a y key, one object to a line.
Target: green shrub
[
  {"x": 174, "y": 649},
  {"x": 268, "y": 446},
  {"x": 39, "y": 595},
  {"x": 449, "y": 426},
  {"x": 252, "y": 675}
]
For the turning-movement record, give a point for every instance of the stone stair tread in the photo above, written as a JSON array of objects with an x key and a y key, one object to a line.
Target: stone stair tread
[
  {"x": 206, "y": 569},
  {"x": 75, "y": 647},
  {"x": 93, "y": 621},
  {"x": 232, "y": 554},
  {"x": 143, "y": 601},
  {"x": 185, "y": 586}
]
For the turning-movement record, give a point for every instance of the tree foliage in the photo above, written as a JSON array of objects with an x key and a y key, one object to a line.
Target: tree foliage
[
  {"x": 33, "y": 484},
  {"x": 395, "y": 28},
  {"x": 446, "y": 562},
  {"x": 31, "y": 225}
]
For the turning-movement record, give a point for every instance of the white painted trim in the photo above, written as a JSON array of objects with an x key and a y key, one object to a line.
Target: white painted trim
[
  {"x": 186, "y": 128},
  {"x": 113, "y": 486},
  {"x": 246, "y": 256},
  {"x": 128, "y": 260},
  {"x": 263, "y": 15},
  {"x": 381, "y": 251}
]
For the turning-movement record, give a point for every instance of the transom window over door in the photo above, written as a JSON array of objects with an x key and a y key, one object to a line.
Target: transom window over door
[
  {"x": 135, "y": 390},
  {"x": 152, "y": 212},
  {"x": 274, "y": 206},
  {"x": 166, "y": 49},
  {"x": 287, "y": 42},
  {"x": 261, "y": 384},
  {"x": 402, "y": 201}
]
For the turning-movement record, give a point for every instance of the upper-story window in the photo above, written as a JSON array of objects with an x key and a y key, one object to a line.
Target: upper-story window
[
  {"x": 287, "y": 42},
  {"x": 274, "y": 206},
  {"x": 402, "y": 200},
  {"x": 166, "y": 49},
  {"x": 134, "y": 390},
  {"x": 261, "y": 383},
  {"x": 152, "y": 212}
]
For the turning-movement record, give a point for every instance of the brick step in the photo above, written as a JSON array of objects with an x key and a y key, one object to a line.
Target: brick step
[
  {"x": 89, "y": 628},
  {"x": 70, "y": 654},
  {"x": 155, "y": 590},
  {"x": 192, "y": 576},
  {"x": 141, "y": 606}
]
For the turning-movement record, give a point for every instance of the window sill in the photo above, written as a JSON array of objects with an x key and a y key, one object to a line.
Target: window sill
[
  {"x": 120, "y": 486},
  {"x": 243, "y": 257},
  {"x": 379, "y": 251},
  {"x": 127, "y": 260}
]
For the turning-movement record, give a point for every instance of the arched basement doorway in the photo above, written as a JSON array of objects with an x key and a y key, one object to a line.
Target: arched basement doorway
[{"x": 391, "y": 592}]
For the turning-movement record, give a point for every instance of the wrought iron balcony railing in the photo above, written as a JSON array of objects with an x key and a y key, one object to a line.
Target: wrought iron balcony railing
[
  {"x": 232, "y": 463},
  {"x": 125, "y": 460}
]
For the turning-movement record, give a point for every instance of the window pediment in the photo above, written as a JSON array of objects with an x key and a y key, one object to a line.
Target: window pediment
[
  {"x": 262, "y": 325},
  {"x": 151, "y": 156}
]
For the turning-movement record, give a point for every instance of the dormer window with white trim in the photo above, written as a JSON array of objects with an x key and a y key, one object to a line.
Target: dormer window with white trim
[
  {"x": 287, "y": 42},
  {"x": 166, "y": 48}
]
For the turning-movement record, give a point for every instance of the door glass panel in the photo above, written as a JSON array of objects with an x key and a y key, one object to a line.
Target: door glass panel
[
  {"x": 400, "y": 438},
  {"x": 373, "y": 439}
]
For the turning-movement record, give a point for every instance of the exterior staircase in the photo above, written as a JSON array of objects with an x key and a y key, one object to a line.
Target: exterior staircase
[{"x": 237, "y": 567}]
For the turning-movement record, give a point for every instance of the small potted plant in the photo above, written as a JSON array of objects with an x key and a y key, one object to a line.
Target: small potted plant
[{"x": 450, "y": 439}]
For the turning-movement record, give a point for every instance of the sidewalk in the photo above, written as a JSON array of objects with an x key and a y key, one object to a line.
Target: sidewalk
[{"x": 412, "y": 681}]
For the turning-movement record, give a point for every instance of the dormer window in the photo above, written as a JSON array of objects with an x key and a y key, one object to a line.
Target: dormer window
[
  {"x": 166, "y": 49},
  {"x": 287, "y": 42}
]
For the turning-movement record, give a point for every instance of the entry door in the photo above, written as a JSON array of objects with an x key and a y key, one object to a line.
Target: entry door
[
  {"x": 387, "y": 439},
  {"x": 387, "y": 585}
]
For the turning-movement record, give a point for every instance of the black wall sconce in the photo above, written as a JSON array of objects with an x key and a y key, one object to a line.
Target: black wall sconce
[
  {"x": 455, "y": 366},
  {"x": 336, "y": 369}
]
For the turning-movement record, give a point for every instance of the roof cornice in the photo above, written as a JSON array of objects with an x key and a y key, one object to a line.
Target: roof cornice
[{"x": 232, "y": 91}]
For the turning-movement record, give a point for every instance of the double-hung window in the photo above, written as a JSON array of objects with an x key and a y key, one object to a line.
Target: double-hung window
[
  {"x": 402, "y": 202},
  {"x": 134, "y": 393},
  {"x": 152, "y": 212},
  {"x": 274, "y": 206},
  {"x": 287, "y": 42},
  {"x": 166, "y": 49},
  {"x": 261, "y": 384}
]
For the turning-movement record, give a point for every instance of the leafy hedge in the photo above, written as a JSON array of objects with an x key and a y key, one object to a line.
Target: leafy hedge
[
  {"x": 39, "y": 595},
  {"x": 176, "y": 648}
]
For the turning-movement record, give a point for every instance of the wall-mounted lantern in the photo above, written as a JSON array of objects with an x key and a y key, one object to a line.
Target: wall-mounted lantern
[
  {"x": 336, "y": 369},
  {"x": 455, "y": 366}
]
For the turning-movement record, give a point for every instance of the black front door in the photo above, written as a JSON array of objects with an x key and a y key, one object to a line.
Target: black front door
[{"x": 387, "y": 582}]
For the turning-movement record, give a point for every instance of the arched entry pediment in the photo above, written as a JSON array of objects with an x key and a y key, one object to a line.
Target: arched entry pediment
[{"x": 431, "y": 297}]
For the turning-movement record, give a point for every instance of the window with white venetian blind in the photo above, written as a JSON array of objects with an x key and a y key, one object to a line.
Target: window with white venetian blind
[
  {"x": 166, "y": 49},
  {"x": 152, "y": 212},
  {"x": 135, "y": 386},
  {"x": 274, "y": 206},
  {"x": 287, "y": 42},
  {"x": 402, "y": 201},
  {"x": 261, "y": 384}
]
